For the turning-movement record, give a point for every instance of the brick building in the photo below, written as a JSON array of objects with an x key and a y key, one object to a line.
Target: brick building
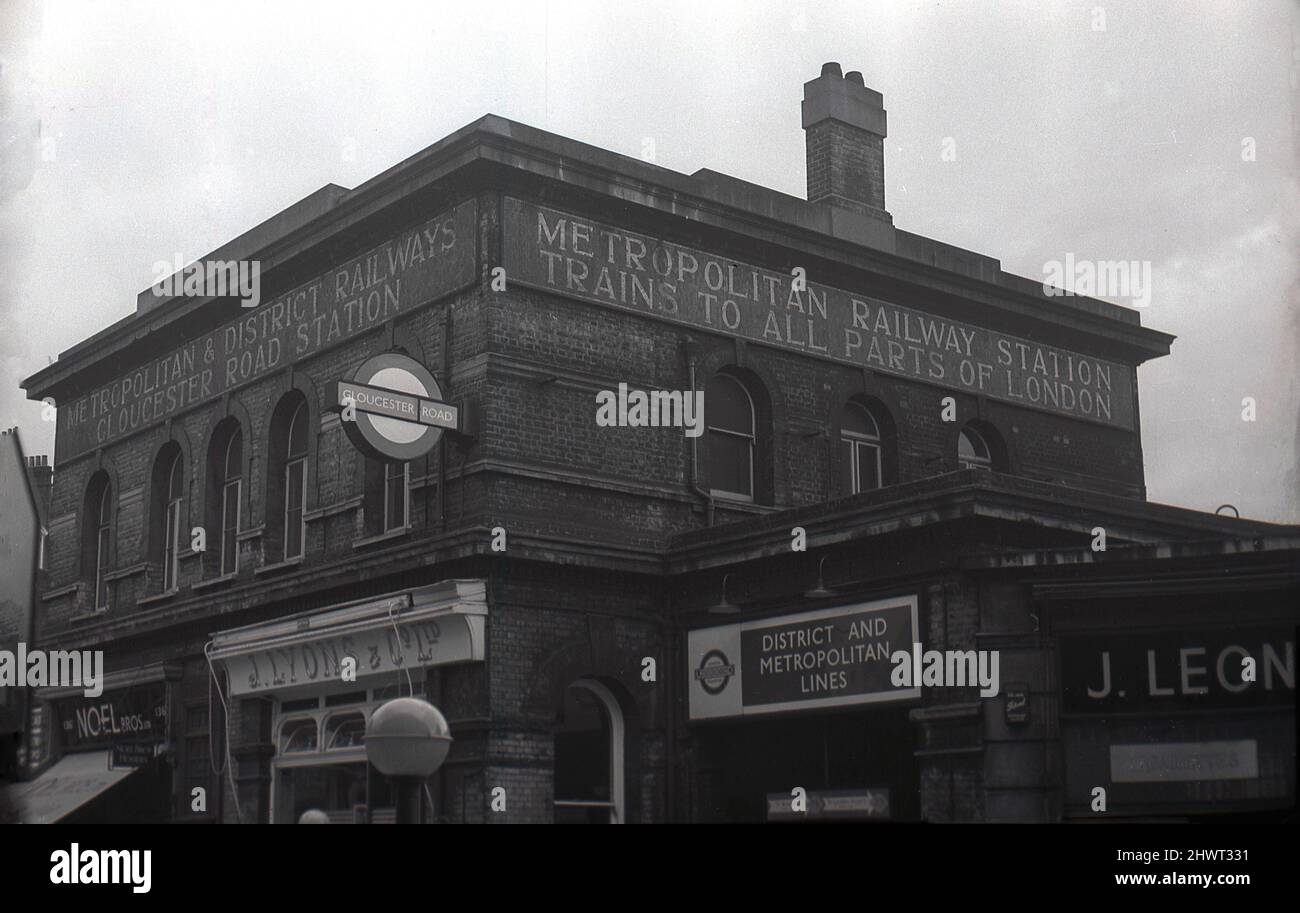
[{"x": 902, "y": 443}]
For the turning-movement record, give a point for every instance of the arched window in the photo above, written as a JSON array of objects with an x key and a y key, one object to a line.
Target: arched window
[
  {"x": 729, "y": 416},
  {"x": 172, "y": 532},
  {"x": 288, "y": 446},
  {"x": 860, "y": 450},
  {"x": 166, "y": 517},
  {"x": 98, "y": 539},
  {"x": 590, "y": 776},
  {"x": 232, "y": 468},
  {"x": 295, "y": 483},
  {"x": 973, "y": 451}
]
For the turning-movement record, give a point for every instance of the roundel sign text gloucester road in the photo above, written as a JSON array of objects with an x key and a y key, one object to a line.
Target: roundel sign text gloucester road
[{"x": 392, "y": 408}]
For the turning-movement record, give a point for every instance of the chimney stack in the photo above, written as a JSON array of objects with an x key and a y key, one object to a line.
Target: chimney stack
[
  {"x": 844, "y": 124},
  {"x": 41, "y": 475}
]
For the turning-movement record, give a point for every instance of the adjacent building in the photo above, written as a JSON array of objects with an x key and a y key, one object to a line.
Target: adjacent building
[
  {"x": 645, "y": 620},
  {"x": 24, "y": 495}
]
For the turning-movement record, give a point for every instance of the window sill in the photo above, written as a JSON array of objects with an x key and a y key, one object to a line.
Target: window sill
[
  {"x": 397, "y": 533},
  {"x": 61, "y": 591},
  {"x": 728, "y": 497},
  {"x": 213, "y": 582},
  {"x": 321, "y": 513},
  {"x": 83, "y": 617},
  {"x": 125, "y": 572},
  {"x": 157, "y": 599},
  {"x": 284, "y": 565}
]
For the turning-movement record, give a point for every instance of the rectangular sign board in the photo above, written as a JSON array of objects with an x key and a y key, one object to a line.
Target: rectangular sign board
[
  {"x": 395, "y": 404},
  {"x": 1158, "y": 671},
  {"x": 830, "y": 805},
  {"x": 610, "y": 265},
  {"x": 137, "y": 713},
  {"x": 131, "y": 754},
  {"x": 828, "y": 658},
  {"x": 1179, "y": 762}
]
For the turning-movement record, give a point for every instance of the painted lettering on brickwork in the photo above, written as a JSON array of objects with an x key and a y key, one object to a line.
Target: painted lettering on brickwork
[
  {"x": 610, "y": 265},
  {"x": 426, "y": 262}
]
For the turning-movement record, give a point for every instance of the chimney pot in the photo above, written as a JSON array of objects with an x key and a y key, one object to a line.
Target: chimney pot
[
  {"x": 831, "y": 68},
  {"x": 855, "y": 77}
]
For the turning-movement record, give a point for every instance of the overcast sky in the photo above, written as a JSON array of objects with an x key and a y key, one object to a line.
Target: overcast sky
[{"x": 130, "y": 132}]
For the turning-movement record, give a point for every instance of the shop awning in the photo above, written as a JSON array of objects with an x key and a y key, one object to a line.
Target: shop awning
[{"x": 72, "y": 782}]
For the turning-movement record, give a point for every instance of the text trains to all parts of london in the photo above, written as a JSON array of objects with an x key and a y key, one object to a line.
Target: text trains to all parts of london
[{"x": 614, "y": 266}]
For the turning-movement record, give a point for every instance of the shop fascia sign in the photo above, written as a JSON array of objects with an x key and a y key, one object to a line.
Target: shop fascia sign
[
  {"x": 373, "y": 638},
  {"x": 129, "y": 714},
  {"x": 392, "y": 408}
]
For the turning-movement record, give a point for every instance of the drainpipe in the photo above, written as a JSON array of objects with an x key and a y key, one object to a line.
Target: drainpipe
[
  {"x": 442, "y": 441},
  {"x": 691, "y": 357},
  {"x": 670, "y": 749}
]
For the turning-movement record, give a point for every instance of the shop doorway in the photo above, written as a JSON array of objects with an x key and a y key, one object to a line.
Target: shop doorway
[{"x": 745, "y": 762}]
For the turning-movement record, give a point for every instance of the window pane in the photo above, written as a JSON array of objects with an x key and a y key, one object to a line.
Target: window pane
[
  {"x": 726, "y": 405},
  {"x": 345, "y": 730},
  {"x": 970, "y": 446},
  {"x": 298, "y": 432},
  {"x": 868, "y": 466},
  {"x": 394, "y": 496},
  {"x": 196, "y": 758},
  {"x": 298, "y": 735},
  {"x": 857, "y": 420},
  {"x": 105, "y": 507},
  {"x": 230, "y": 528},
  {"x": 848, "y": 472},
  {"x": 294, "y": 494},
  {"x": 582, "y": 749},
  {"x": 234, "y": 456},
  {"x": 175, "y": 479},
  {"x": 101, "y": 565},
  {"x": 169, "y": 545},
  {"x": 730, "y": 463},
  {"x": 196, "y": 719}
]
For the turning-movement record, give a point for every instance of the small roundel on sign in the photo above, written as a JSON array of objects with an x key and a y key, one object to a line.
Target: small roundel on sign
[{"x": 396, "y": 409}]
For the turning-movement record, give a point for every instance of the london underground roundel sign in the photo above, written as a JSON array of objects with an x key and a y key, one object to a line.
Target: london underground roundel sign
[{"x": 392, "y": 408}]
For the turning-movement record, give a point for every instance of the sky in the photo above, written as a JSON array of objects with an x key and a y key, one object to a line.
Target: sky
[{"x": 1157, "y": 132}]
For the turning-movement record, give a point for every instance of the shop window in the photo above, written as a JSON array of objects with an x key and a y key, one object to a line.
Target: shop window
[
  {"x": 97, "y": 539},
  {"x": 345, "y": 730},
  {"x": 980, "y": 447},
  {"x": 298, "y": 735},
  {"x": 861, "y": 450},
  {"x": 589, "y": 756},
  {"x": 287, "y": 477},
  {"x": 225, "y": 496},
  {"x": 729, "y": 416},
  {"x": 320, "y": 760}
]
